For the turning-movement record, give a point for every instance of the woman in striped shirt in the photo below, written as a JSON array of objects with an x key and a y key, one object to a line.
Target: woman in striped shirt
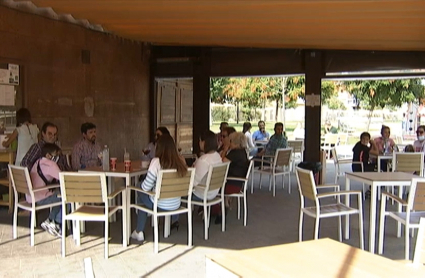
[{"x": 166, "y": 157}]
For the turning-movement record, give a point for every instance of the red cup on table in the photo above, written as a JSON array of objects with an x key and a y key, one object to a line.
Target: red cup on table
[
  {"x": 113, "y": 163},
  {"x": 127, "y": 165}
]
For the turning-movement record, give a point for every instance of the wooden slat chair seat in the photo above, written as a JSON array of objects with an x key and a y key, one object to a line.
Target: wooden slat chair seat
[
  {"x": 242, "y": 193},
  {"x": 330, "y": 139},
  {"x": 414, "y": 210},
  {"x": 277, "y": 165},
  {"x": 21, "y": 183},
  {"x": 308, "y": 190},
  {"x": 216, "y": 179},
  {"x": 169, "y": 184},
  {"x": 78, "y": 189}
]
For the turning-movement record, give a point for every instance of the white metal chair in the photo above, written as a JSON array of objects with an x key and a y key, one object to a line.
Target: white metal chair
[
  {"x": 278, "y": 165},
  {"x": 216, "y": 179},
  {"x": 338, "y": 162},
  {"x": 419, "y": 254},
  {"x": 342, "y": 139},
  {"x": 169, "y": 184},
  {"x": 331, "y": 140},
  {"x": 308, "y": 190},
  {"x": 21, "y": 183},
  {"x": 297, "y": 151},
  {"x": 80, "y": 188},
  {"x": 415, "y": 209},
  {"x": 242, "y": 193}
]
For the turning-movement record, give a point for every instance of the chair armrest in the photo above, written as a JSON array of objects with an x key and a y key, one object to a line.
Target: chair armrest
[
  {"x": 345, "y": 161},
  {"x": 262, "y": 161},
  {"x": 200, "y": 186},
  {"x": 47, "y": 187},
  {"x": 395, "y": 198},
  {"x": 138, "y": 189},
  {"x": 236, "y": 179},
  {"x": 116, "y": 192},
  {"x": 331, "y": 194},
  {"x": 320, "y": 186}
]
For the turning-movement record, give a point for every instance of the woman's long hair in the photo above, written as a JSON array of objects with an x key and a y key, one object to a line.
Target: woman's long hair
[
  {"x": 246, "y": 126},
  {"x": 168, "y": 156}
]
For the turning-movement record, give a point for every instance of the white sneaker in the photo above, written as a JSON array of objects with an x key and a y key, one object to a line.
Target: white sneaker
[
  {"x": 48, "y": 226},
  {"x": 139, "y": 236}
]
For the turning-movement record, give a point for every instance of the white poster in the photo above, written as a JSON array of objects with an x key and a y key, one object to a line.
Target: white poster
[
  {"x": 4, "y": 76},
  {"x": 7, "y": 95}
]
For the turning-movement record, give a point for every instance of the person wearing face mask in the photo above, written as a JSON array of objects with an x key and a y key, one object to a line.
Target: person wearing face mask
[
  {"x": 45, "y": 172},
  {"x": 149, "y": 150},
  {"x": 419, "y": 145}
]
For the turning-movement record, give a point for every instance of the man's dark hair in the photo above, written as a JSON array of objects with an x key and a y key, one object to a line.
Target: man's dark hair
[
  {"x": 87, "y": 126},
  {"x": 23, "y": 115},
  {"x": 49, "y": 148},
  {"x": 364, "y": 134},
  {"x": 261, "y": 122},
  {"x": 223, "y": 124},
  {"x": 46, "y": 125},
  {"x": 210, "y": 140},
  {"x": 163, "y": 130}
]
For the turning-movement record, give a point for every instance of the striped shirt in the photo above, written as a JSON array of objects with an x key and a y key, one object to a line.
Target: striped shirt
[
  {"x": 149, "y": 185},
  {"x": 85, "y": 154}
]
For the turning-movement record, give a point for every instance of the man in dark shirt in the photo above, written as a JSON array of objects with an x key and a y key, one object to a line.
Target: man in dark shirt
[{"x": 361, "y": 152}]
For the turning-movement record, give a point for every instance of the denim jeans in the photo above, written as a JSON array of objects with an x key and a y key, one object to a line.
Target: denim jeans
[
  {"x": 56, "y": 212},
  {"x": 142, "y": 216}
]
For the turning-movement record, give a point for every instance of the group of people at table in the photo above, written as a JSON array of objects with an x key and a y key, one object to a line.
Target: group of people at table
[
  {"x": 367, "y": 150},
  {"x": 41, "y": 154}
]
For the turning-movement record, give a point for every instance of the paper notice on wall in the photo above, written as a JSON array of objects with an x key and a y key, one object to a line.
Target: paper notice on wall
[
  {"x": 7, "y": 95},
  {"x": 4, "y": 76},
  {"x": 312, "y": 100},
  {"x": 13, "y": 74}
]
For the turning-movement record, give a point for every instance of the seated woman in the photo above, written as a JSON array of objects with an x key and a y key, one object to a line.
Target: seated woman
[
  {"x": 385, "y": 145},
  {"x": 238, "y": 167},
  {"x": 361, "y": 152},
  {"x": 420, "y": 143},
  {"x": 252, "y": 149},
  {"x": 166, "y": 157},
  {"x": 225, "y": 143},
  {"x": 208, "y": 146}
]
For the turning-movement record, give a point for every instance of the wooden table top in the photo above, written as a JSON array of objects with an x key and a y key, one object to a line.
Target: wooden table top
[
  {"x": 315, "y": 258},
  {"x": 383, "y": 176}
]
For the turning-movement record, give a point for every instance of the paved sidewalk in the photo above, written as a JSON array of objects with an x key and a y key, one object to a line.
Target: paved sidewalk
[{"x": 271, "y": 221}]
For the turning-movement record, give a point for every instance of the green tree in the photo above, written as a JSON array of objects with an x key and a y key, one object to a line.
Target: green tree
[
  {"x": 217, "y": 90},
  {"x": 391, "y": 93}
]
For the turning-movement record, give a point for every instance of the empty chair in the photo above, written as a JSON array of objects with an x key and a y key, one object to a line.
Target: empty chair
[
  {"x": 308, "y": 190},
  {"x": 330, "y": 142},
  {"x": 277, "y": 165},
  {"x": 414, "y": 210},
  {"x": 297, "y": 151},
  {"x": 79, "y": 189}
]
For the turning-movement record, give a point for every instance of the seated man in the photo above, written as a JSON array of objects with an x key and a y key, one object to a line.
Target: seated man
[
  {"x": 44, "y": 172},
  {"x": 361, "y": 152},
  {"x": 261, "y": 134},
  {"x": 49, "y": 133},
  {"x": 86, "y": 152},
  {"x": 277, "y": 141}
]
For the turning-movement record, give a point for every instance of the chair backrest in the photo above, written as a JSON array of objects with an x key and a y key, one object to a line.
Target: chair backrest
[
  {"x": 416, "y": 198},
  {"x": 334, "y": 156},
  {"x": 21, "y": 180},
  {"x": 283, "y": 157},
  {"x": 419, "y": 254},
  {"x": 331, "y": 138},
  {"x": 296, "y": 145},
  {"x": 83, "y": 187},
  {"x": 217, "y": 175},
  {"x": 408, "y": 162},
  {"x": 251, "y": 164},
  {"x": 306, "y": 184},
  {"x": 170, "y": 184}
]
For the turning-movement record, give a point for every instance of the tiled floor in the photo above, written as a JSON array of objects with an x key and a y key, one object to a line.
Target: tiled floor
[{"x": 270, "y": 221}]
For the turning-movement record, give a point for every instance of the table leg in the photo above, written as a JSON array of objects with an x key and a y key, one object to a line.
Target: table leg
[
  {"x": 113, "y": 218},
  {"x": 347, "y": 203},
  {"x": 399, "y": 209},
  {"x": 372, "y": 220}
]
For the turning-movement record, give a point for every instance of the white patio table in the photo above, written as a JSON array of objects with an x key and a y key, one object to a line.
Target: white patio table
[{"x": 375, "y": 180}]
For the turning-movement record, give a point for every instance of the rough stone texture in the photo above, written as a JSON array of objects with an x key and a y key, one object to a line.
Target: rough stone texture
[{"x": 55, "y": 81}]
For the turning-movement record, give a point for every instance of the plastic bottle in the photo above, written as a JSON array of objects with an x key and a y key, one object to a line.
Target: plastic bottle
[
  {"x": 126, "y": 155},
  {"x": 105, "y": 158}
]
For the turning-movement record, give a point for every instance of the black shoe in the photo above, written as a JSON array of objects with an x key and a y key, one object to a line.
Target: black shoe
[
  {"x": 367, "y": 194},
  {"x": 175, "y": 225},
  {"x": 218, "y": 220}
]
